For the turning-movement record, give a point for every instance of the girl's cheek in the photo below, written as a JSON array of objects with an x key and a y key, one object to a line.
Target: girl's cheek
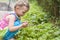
[{"x": 22, "y": 14}]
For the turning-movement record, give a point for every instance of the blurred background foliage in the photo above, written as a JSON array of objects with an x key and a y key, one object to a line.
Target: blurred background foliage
[{"x": 44, "y": 21}]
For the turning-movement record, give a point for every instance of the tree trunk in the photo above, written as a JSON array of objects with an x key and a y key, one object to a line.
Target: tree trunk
[{"x": 56, "y": 9}]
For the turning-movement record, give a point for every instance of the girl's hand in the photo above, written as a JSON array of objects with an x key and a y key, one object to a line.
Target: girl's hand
[{"x": 24, "y": 24}]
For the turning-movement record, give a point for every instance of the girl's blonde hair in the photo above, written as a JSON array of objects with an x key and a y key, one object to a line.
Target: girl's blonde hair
[{"x": 22, "y": 3}]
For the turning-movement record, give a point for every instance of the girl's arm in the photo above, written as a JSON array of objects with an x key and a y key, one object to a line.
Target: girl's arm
[{"x": 11, "y": 24}]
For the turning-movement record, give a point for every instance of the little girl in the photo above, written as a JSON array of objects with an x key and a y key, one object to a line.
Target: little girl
[{"x": 14, "y": 21}]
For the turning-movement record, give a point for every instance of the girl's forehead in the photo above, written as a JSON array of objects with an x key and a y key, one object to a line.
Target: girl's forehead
[
  {"x": 17, "y": 6},
  {"x": 23, "y": 8}
]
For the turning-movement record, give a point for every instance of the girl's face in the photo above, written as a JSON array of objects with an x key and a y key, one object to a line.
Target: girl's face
[{"x": 20, "y": 11}]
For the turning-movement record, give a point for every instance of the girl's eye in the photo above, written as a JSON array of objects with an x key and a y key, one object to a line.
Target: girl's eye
[{"x": 17, "y": 8}]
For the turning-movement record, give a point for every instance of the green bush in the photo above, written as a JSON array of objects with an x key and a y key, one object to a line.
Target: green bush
[
  {"x": 39, "y": 28},
  {"x": 44, "y": 31}
]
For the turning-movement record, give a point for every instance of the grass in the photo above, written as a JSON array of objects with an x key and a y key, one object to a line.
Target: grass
[{"x": 2, "y": 33}]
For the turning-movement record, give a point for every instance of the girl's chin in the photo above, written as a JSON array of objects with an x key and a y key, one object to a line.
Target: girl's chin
[{"x": 21, "y": 15}]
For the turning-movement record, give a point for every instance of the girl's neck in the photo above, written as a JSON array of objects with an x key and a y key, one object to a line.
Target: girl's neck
[{"x": 18, "y": 16}]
